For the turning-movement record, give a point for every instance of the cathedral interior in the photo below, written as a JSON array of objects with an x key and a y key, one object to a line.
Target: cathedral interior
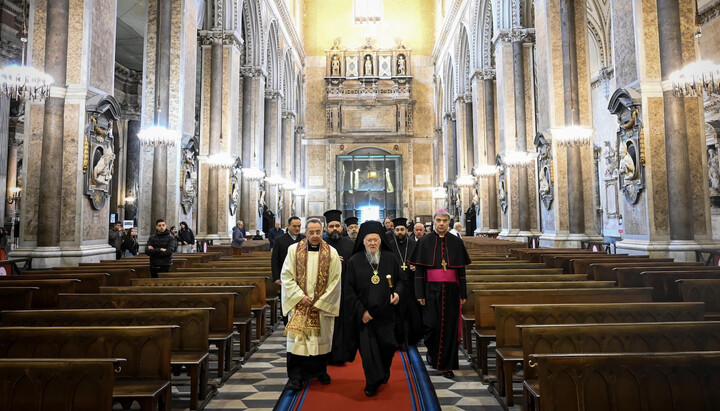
[{"x": 558, "y": 122}]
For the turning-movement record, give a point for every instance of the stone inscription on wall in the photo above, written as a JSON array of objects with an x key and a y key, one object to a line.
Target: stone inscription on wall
[{"x": 376, "y": 119}]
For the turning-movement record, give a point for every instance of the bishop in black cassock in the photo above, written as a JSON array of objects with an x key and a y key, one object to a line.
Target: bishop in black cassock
[
  {"x": 371, "y": 300},
  {"x": 342, "y": 350},
  {"x": 410, "y": 329},
  {"x": 440, "y": 259}
]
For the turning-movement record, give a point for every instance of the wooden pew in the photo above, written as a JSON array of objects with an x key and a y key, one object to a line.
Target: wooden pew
[
  {"x": 568, "y": 262},
  {"x": 16, "y": 298},
  {"x": 89, "y": 282},
  {"x": 113, "y": 277},
  {"x": 502, "y": 271},
  {"x": 242, "y": 315},
  {"x": 485, "y": 299},
  {"x": 705, "y": 291},
  {"x": 525, "y": 277},
  {"x": 633, "y": 276},
  {"x": 58, "y": 384},
  {"x": 509, "y": 317},
  {"x": 258, "y": 293},
  {"x": 189, "y": 340},
  {"x": 133, "y": 272},
  {"x": 648, "y": 381},
  {"x": 468, "y": 310},
  {"x": 526, "y": 253},
  {"x": 609, "y": 271},
  {"x": 221, "y": 318},
  {"x": 508, "y": 265},
  {"x": 558, "y": 260},
  {"x": 664, "y": 283},
  {"x": 585, "y": 265},
  {"x": 145, "y": 375},
  {"x": 46, "y": 295}
]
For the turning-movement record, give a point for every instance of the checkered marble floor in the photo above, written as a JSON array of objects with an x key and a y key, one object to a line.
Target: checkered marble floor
[{"x": 258, "y": 383}]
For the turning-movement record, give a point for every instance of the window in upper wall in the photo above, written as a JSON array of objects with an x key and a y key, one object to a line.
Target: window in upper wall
[{"x": 368, "y": 11}]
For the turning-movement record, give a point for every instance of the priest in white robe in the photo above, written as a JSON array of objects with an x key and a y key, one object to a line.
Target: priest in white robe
[{"x": 311, "y": 296}]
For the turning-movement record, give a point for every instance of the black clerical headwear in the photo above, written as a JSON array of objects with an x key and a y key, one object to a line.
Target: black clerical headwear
[
  {"x": 400, "y": 221},
  {"x": 371, "y": 227},
  {"x": 350, "y": 221},
  {"x": 333, "y": 215}
]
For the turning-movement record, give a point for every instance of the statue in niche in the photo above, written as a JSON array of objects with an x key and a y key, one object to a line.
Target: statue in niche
[
  {"x": 368, "y": 65},
  {"x": 713, "y": 171},
  {"x": 102, "y": 170},
  {"x": 335, "y": 65},
  {"x": 627, "y": 164},
  {"x": 401, "y": 65}
]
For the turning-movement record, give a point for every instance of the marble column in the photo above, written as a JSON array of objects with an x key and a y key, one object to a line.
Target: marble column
[
  {"x": 216, "y": 83},
  {"x": 51, "y": 159},
  {"x": 491, "y": 153},
  {"x": 271, "y": 147},
  {"x": 676, "y": 137},
  {"x": 253, "y": 133},
  {"x": 461, "y": 135},
  {"x": 576, "y": 203},
  {"x": 287, "y": 160},
  {"x": 132, "y": 169},
  {"x": 518, "y": 53},
  {"x": 5, "y": 143},
  {"x": 448, "y": 148},
  {"x": 12, "y": 172}
]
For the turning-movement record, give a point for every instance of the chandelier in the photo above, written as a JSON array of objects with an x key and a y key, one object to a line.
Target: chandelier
[
  {"x": 289, "y": 185},
  {"x": 274, "y": 180},
  {"x": 300, "y": 192},
  {"x": 518, "y": 158},
  {"x": 696, "y": 78},
  {"x": 573, "y": 135},
  {"x": 465, "y": 180},
  {"x": 439, "y": 193},
  {"x": 158, "y": 136},
  {"x": 253, "y": 174},
  {"x": 23, "y": 81},
  {"x": 221, "y": 160},
  {"x": 486, "y": 171}
]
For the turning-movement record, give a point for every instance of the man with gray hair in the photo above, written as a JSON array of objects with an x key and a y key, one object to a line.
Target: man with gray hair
[
  {"x": 440, "y": 259},
  {"x": 311, "y": 296}
]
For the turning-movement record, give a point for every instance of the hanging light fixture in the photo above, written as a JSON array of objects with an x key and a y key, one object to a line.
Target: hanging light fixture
[
  {"x": 158, "y": 136},
  {"x": 698, "y": 77},
  {"x": 573, "y": 135},
  {"x": 221, "y": 160},
  {"x": 485, "y": 171},
  {"x": 274, "y": 180},
  {"x": 24, "y": 81},
  {"x": 253, "y": 174},
  {"x": 518, "y": 158},
  {"x": 465, "y": 180}
]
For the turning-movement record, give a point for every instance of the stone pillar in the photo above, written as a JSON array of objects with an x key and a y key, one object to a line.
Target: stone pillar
[
  {"x": 448, "y": 148},
  {"x": 461, "y": 135},
  {"x": 272, "y": 147},
  {"x": 523, "y": 209},
  {"x": 216, "y": 83},
  {"x": 12, "y": 172},
  {"x": 483, "y": 95},
  {"x": 132, "y": 169},
  {"x": 5, "y": 144},
  {"x": 287, "y": 160},
  {"x": 253, "y": 132},
  {"x": 51, "y": 159},
  {"x": 576, "y": 203},
  {"x": 676, "y": 137}
]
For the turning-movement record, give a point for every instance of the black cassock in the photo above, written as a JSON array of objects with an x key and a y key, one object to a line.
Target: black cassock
[
  {"x": 376, "y": 339},
  {"x": 441, "y": 313},
  {"x": 342, "y": 349},
  {"x": 410, "y": 329}
]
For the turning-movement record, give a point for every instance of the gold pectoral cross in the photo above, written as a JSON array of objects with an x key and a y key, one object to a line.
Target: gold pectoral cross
[
  {"x": 404, "y": 267},
  {"x": 444, "y": 264}
]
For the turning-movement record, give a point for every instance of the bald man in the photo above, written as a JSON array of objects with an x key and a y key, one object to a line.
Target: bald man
[{"x": 418, "y": 232}]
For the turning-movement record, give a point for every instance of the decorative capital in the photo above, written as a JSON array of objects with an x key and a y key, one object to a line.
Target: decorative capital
[
  {"x": 271, "y": 94},
  {"x": 288, "y": 114},
  {"x": 252, "y": 71}
]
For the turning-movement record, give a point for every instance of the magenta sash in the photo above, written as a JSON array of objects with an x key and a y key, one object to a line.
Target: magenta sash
[{"x": 439, "y": 275}]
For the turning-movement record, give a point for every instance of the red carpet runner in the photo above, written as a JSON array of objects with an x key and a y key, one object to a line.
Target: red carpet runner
[{"x": 408, "y": 389}]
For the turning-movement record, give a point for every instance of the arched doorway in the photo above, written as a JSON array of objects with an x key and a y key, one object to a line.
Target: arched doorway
[{"x": 369, "y": 184}]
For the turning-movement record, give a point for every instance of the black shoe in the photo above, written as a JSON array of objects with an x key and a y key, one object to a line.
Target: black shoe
[
  {"x": 294, "y": 385},
  {"x": 427, "y": 358},
  {"x": 448, "y": 374},
  {"x": 370, "y": 391},
  {"x": 325, "y": 379}
]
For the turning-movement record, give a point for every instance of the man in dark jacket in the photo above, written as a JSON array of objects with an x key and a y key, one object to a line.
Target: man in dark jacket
[
  {"x": 282, "y": 243},
  {"x": 274, "y": 234},
  {"x": 160, "y": 248},
  {"x": 117, "y": 236}
]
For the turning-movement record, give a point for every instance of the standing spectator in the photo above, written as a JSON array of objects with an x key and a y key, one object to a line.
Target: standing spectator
[
  {"x": 174, "y": 232},
  {"x": 238, "y": 238},
  {"x": 258, "y": 236},
  {"x": 4, "y": 244},
  {"x": 187, "y": 238},
  {"x": 275, "y": 233},
  {"x": 130, "y": 245},
  {"x": 160, "y": 248},
  {"x": 116, "y": 239}
]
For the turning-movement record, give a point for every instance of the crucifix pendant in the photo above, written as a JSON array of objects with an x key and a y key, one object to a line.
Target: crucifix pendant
[
  {"x": 404, "y": 267},
  {"x": 444, "y": 264}
]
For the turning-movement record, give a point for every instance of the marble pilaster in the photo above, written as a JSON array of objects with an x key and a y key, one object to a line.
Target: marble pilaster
[
  {"x": 5, "y": 143},
  {"x": 253, "y": 136},
  {"x": 483, "y": 95},
  {"x": 272, "y": 146}
]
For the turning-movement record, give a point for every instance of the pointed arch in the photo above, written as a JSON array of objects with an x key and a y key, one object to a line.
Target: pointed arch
[
  {"x": 462, "y": 54},
  {"x": 482, "y": 34},
  {"x": 272, "y": 58},
  {"x": 288, "y": 81},
  {"x": 253, "y": 36}
]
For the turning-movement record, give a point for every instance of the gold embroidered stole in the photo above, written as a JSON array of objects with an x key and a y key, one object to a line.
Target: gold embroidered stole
[{"x": 305, "y": 322}]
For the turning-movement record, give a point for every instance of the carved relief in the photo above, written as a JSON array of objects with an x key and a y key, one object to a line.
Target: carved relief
[
  {"x": 234, "y": 186},
  {"x": 502, "y": 184},
  {"x": 545, "y": 171},
  {"x": 99, "y": 158},
  {"x": 626, "y": 104},
  {"x": 188, "y": 170}
]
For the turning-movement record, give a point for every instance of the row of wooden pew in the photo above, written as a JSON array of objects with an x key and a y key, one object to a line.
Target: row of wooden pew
[
  {"x": 112, "y": 315},
  {"x": 592, "y": 329}
]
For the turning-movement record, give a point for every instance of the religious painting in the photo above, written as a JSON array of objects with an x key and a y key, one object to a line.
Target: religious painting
[{"x": 99, "y": 155}]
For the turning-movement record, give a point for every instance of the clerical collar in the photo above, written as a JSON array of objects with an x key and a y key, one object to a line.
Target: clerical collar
[
  {"x": 313, "y": 247},
  {"x": 441, "y": 236},
  {"x": 294, "y": 237}
]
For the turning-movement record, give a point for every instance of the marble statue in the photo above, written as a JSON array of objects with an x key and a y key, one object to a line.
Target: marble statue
[
  {"x": 627, "y": 165},
  {"x": 610, "y": 160},
  {"x": 102, "y": 171},
  {"x": 368, "y": 66},
  {"x": 401, "y": 65},
  {"x": 335, "y": 66},
  {"x": 544, "y": 185}
]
